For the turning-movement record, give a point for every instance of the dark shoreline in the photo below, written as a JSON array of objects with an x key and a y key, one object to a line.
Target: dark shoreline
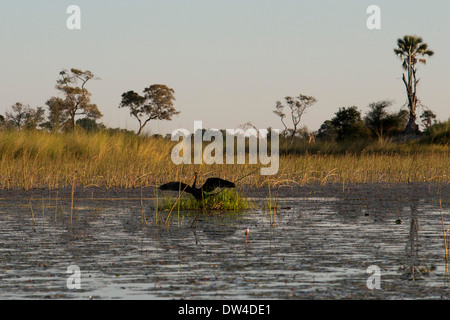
[{"x": 348, "y": 191}]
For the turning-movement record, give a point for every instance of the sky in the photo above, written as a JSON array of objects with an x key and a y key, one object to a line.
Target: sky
[{"x": 228, "y": 61}]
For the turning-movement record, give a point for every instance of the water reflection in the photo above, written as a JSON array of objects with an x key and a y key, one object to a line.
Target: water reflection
[{"x": 412, "y": 247}]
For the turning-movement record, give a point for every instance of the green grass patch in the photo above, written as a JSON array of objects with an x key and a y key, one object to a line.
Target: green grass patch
[{"x": 225, "y": 200}]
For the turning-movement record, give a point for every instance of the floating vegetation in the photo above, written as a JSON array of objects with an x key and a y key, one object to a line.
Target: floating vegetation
[{"x": 225, "y": 200}]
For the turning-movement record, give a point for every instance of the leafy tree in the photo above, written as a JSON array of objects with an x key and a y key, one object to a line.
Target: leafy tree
[
  {"x": 156, "y": 103},
  {"x": 297, "y": 107},
  {"x": 77, "y": 98},
  {"x": 348, "y": 124},
  {"x": 24, "y": 117},
  {"x": 327, "y": 131},
  {"x": 428, "y": 118},
  {"x": 410, "y": 50},
  {"x": 58, "y": 115},
  {"x": 381, "y": 122}
]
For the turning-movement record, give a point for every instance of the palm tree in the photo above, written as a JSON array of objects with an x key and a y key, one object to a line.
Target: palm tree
[{"x": 409, "y": 50}]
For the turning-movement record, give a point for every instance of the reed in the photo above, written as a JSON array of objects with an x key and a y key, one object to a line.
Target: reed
[
  {"x": 157, "y": 207},
  {"x": 143, "y": 218},
  {"x": 272, "y": 205},
  {"x": 36, "y": 159},
  {"x": 172, "y": 206}
]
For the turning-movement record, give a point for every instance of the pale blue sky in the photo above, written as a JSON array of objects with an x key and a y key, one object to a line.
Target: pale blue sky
[{"x": 228, "y": 61}]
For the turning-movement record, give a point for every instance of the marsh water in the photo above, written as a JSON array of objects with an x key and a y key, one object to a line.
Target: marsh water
[{"x": 319, "y": 244}]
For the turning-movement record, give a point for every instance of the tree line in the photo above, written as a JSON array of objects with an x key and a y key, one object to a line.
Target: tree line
[
  {"x": 379, "y": 122},
  {"x": 75, "y": 101},
  {"x": 156, "y": 102},
  {"x": 348, "y": 123}
]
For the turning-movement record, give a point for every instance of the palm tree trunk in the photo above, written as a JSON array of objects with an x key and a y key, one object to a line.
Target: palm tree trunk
[
  {"x": 412, "y": 127},
  {"x": 411, "y": 84}
]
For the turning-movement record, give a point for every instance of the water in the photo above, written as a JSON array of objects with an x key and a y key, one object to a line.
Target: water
[{"x": 318, "y": 248}]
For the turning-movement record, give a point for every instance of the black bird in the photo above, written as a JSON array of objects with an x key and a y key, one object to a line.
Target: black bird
[{"x": 198, "y": 193}]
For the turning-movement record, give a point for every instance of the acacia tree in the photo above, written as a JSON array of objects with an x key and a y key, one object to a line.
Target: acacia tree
[
  {"x": 77, "y": 98},
  {"x": 409, "y": 50},
  {"x": 156, "y": 103},
  {"x": 297, "y": 107}
]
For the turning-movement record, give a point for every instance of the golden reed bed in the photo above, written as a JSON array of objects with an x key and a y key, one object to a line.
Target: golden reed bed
[{"x": 38, "y": 159}]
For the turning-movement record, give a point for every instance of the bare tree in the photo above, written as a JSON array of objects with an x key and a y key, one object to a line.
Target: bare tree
[{"x": 297, "y": 107}]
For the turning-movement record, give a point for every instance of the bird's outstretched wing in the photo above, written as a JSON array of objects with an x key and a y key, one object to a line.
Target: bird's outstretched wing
[
  {"x": 213, "y": 183},
  {"x": 176, "y": 186}
]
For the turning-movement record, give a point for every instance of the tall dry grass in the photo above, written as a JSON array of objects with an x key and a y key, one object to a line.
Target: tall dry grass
[{"x": 36, "y": 159}]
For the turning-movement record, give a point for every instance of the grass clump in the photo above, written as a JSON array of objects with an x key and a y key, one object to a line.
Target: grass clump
[{"x": 225, "y": 200}]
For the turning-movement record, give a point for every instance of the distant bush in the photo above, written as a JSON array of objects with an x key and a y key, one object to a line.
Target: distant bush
[
  {"x": 348, "y": 124},
  {"x": 90, "y": 125},
  {"x": 438, "y": 133}
]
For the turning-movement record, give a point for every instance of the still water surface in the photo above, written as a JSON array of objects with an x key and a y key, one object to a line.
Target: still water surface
[{"x": 318, "y": 248}]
